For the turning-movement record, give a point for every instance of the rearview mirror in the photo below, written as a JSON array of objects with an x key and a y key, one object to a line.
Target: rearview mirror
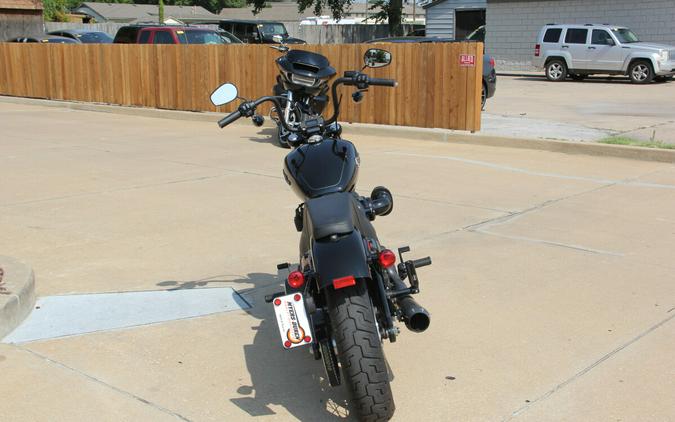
[
  {"x": 224, "y": 94},
  {"x": 610, "y": 41},
  {"x": 375, "y": 57},
  {"x": 277, "y": 38}
]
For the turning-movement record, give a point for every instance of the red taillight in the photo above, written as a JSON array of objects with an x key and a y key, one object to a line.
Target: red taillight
[
  {"x": 387, "y": 258},
  {"x": 343, "y": 282},
  {"x": 537, "y": 50},
  {"x": 296, "y": 279},
  {"x": 492, "y": 61}
]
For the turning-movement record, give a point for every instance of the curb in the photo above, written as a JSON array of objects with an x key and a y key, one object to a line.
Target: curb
[
  {"x": 427, "y": 134},
  {"x": 522, "y": 74},
  {"x": 567, "y": 147},
  {"x": 17, "y": 294}
]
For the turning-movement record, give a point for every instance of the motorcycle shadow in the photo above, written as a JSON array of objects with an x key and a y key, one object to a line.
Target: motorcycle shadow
[
  {"x": 290, "y": 379},
  {"x": 264, "y": 136},
  {"x": 267, "y": 135}
]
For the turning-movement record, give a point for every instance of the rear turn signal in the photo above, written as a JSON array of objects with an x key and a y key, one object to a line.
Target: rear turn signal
[
  {"x": 340, "y": 283},
  {"x": 387, "y": 258},
  {"x": 296, "y": 279},
  {"x": 537, "y": 50}
]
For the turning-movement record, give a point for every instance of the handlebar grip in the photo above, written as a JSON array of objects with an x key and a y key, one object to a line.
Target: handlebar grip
[
  {"x": 382, "y": 82},
  {"x": 229, "y": 119},
  {"x": 422, "y": 262}
]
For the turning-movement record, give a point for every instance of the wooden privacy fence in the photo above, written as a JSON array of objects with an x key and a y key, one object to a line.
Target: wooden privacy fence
[{"x": 438, "y": 85}]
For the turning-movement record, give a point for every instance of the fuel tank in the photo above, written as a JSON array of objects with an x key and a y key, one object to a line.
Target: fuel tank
[{"x": 317, "y": 169}]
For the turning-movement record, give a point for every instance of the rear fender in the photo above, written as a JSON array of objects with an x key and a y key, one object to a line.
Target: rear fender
[{"x": 339, "y": 258}]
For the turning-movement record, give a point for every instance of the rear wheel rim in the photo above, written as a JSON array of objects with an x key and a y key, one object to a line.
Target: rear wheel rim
[
  {"x": 640, "y": 72},
  {"x": 483, "y": 97},
  {"x": 555, "y": 70}
]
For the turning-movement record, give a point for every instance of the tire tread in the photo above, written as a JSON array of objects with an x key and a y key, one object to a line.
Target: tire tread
[{"x": 360, "y": 352}]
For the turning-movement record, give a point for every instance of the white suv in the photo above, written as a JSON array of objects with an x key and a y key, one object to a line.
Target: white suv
[{"x": 581, "y": 50}]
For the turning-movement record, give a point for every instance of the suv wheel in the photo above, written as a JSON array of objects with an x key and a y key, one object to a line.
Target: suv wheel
[
  {"x": 556, "y": 70},
  {"x": 640, "y": 72}
]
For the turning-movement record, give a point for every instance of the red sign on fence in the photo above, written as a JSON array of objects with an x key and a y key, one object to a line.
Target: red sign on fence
[{"x": 467, "y": 60}]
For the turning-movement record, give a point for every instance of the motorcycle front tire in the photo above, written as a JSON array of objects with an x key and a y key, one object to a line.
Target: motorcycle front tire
[{"x": 360, "y": 352}]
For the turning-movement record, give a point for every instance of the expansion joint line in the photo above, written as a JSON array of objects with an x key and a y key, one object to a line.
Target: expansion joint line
[
  {"x": 105, "y": 384},
  {"x": 587, "y": 369}
]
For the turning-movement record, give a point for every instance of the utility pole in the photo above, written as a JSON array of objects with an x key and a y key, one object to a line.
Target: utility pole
[
  {"x": 161, "y": 12},
  {"x": 414, "y": 18}
]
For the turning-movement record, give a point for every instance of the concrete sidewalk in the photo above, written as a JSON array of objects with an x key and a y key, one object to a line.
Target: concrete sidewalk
[
  {"x": 551, "y": 291},
  {"x": 584, "y": 110}
]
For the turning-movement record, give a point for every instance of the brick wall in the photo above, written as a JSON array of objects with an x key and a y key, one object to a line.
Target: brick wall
[{"x": 513, "y": 26}]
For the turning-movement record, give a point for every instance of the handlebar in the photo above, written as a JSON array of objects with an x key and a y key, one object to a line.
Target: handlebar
[
  {"x": 382, "y": 82},
  {"x": 229, "y": 119},
  {"x": 351, "y": 78},
  {"x": 246, "y": 109}
]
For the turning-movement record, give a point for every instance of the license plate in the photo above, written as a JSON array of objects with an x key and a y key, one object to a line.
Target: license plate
[{"x": 292, "y": 320}]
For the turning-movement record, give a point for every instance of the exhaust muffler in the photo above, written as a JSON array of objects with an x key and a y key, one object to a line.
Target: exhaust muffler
[{"x": 415, "y": 317}]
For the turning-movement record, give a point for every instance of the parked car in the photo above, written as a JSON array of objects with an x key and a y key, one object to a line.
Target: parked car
[
  {"x": 489, "y": 72},
  {"x": 581, "y": 50},
  {"x": 165, "y": 34},
  {"x": 259, "y": 32},
  {"x": 45, "y": 39},
  {"x": 84, "y": 36}
]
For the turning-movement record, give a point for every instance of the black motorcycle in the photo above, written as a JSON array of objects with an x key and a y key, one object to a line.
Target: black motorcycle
[
  {"x": 346, "y": 293},
  {"x": 302, "y": 85}
]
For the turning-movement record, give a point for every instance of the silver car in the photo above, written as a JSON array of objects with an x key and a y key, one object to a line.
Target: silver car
[{"x": 581, "y": 50}]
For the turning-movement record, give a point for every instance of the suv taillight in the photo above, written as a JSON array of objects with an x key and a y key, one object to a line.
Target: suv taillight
[
  {"x": 537, "y": 50},
  {"x": 492, "y": 61}
]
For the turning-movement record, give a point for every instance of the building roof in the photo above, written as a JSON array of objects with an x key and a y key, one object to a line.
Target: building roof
[
  {"x": 121, "y": 12},
  {"x": 21, "y": 4},
  {"x": 288, "y": 12}
]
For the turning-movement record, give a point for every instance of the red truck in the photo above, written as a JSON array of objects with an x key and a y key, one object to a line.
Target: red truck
[{"x": 165, "y": 34}]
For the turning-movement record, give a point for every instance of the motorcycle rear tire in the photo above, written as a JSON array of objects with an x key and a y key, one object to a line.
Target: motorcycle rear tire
[{"x": 360, "y": 352}]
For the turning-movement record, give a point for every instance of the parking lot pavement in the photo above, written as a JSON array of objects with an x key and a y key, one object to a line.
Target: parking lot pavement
[
  {"x": 551, "y": 291},
  {"x": 582, "y": 110}
]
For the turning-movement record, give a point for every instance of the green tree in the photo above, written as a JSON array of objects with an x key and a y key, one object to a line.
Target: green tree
[
  {"x": 390, "y": 10},
  {"x": 233, "y": 3},
  {"x": 55, "y": 10}
]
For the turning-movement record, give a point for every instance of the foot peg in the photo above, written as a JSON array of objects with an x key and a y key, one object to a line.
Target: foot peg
[{"x": 407, "y": 269}]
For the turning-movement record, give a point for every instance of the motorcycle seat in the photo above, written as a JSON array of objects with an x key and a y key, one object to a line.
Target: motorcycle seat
[{"x": 330, "y": 214}]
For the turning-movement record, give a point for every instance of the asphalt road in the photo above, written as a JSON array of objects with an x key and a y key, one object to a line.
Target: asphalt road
[
  {"x": 551, "y": 292},
  {"x": 581, "y": 110}
]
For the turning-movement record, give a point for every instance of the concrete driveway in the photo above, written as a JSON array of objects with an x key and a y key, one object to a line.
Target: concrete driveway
[
  {"x": 551, "y": 293},
  {"x": 597, "y": 107}
]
